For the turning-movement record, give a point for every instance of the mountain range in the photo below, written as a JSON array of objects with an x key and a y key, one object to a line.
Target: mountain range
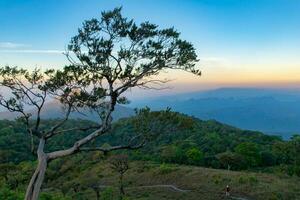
[
  {"x": 52, "y": 110},
  {"x": 272, "y": 111}
]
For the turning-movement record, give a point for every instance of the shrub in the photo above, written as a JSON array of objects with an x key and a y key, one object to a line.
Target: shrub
[
  {"x": 165, "y": 169},
  {"x": 194, "y": 156},
  {"x": 7, "y": 194},
  {"x": 107, "y": 194}
]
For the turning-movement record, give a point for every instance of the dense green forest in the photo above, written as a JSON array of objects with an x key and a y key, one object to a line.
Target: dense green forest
[{"x": 184, "y": 141}]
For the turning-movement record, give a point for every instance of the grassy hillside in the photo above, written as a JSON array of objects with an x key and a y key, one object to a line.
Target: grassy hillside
[
  {"x": 153, "y": 181},
  {"x": 198, "y": 183}
]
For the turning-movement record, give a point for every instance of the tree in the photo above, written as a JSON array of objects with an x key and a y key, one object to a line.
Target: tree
[
  {"x": 5, "y": 169},
  {"x": 119, "y": 163},
  {"x": 250, "y": 153},
  {"x": 229, "y": 160},
  {"x": 108, "y": 57},
  {"x": 195, "y": 156},
  {"x": 267, "y": 158},
  {"x": 172, "y": 153}
]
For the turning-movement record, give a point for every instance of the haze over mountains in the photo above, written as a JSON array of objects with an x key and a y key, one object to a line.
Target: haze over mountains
[
  {"x": 53, "y": 111},
  {"x": 273, "y": 111}
]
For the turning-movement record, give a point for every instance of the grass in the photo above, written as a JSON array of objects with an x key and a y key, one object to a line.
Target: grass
[{"x": 201, "y": 183}]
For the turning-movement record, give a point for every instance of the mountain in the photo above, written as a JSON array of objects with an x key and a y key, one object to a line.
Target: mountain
[
  {"x": 177, "y": 142},
  {"x": 273, "y": 111},
  {"x": 52, "y": 110},
  {"x": 171, "y": 136}
]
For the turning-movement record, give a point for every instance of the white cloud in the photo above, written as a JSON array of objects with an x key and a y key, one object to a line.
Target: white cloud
[
  {"x": 46, "y": 51},
  {"x": 11, "y": 45}
]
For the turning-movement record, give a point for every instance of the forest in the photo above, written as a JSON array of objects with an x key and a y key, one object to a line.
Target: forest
[{"x": 190, "y": 142}]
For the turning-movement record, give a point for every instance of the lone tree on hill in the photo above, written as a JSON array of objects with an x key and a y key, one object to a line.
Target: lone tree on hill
[
  {"x": 108, "y": 57},
  {"x": 119, "y": 163}
]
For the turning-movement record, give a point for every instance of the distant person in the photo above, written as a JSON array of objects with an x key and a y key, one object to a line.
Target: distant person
[{"x": 227, "y": 190}]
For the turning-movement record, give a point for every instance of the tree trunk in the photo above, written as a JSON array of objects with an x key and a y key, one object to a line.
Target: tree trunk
[
  {"x": 121, "y": 187},
  {"x": 97, "y": 194},
  {"x": 34, "y": 186}
]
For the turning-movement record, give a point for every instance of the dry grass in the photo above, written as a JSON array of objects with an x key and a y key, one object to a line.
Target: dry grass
[{"x": 202, "y": 183}]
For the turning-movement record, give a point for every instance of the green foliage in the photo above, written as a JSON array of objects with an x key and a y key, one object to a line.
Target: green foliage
[
  {"x": 194, "y": 156},
  {"x": 250, "y": 153},
  {"x": 229, "y": 160},
  {"x": 8, "y": 194},
  {"x": 107, "y": 194},
  {"x": 50, "y": 196},
  {"x": 171, "y": 138},
  {"x": 172, "y": 153},
  {"x": 165, "y": 169},
  {"x": 130, "y": 42},
  {"x": 267, "y": 158}
]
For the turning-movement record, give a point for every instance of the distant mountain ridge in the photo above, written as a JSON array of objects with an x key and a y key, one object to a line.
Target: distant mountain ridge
[
  {"x": 53, "y": 111},
  {"x": 274, "y": 111}
]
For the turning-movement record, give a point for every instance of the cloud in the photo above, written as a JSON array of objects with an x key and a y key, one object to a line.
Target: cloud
[
  {"x": 32, "y": 51},
  {"x": 11, "y": 45}
]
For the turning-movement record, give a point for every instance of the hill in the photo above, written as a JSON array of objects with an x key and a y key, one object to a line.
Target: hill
[
  {"x": 152, "y": 181},
  {"x": 170, "y": 166},
  {"x": 192, "y": 183},
  {"x": 175, "y": 138},
  {"x": 272, "y": 111}
]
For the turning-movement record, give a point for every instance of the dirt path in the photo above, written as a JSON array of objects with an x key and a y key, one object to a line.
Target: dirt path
[
  {"x": 238, "y": 198},
  {"x": 172, "y": 187}
]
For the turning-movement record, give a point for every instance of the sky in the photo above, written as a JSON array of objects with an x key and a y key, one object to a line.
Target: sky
[{"x": 242, "y": 43}]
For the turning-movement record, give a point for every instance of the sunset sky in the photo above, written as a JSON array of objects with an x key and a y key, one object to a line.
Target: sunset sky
[{"x": 239, "y": 42}]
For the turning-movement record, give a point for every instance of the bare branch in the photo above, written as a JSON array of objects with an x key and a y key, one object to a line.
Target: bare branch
[
  {"x": 114, "y": 148},
  {"x": 51, "y": 132},
  {"x": 74, "y": 129}
]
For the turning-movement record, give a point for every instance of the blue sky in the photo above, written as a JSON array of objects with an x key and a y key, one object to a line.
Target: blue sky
[{"x": 239, "y": 42}]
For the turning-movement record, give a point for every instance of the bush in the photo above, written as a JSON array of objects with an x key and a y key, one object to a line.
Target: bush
[
  {"x": 231, "y": 160},
  {"x": 107, "y": 194},
  {"x": 173, "y": 154},
  {"x": 194, "y": 156},
  {"x": 7, "y": 194},
  {"x": 165, "y": 169},
  {"x": 267, "y": 158},
  {"x": 297, "y": 170},
  {"x": 250, "y": 152}
]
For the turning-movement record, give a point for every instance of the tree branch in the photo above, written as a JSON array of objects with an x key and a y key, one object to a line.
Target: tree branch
[
  {"x": 114, "y": 148},
  {"x": 51, "y": 132}
]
